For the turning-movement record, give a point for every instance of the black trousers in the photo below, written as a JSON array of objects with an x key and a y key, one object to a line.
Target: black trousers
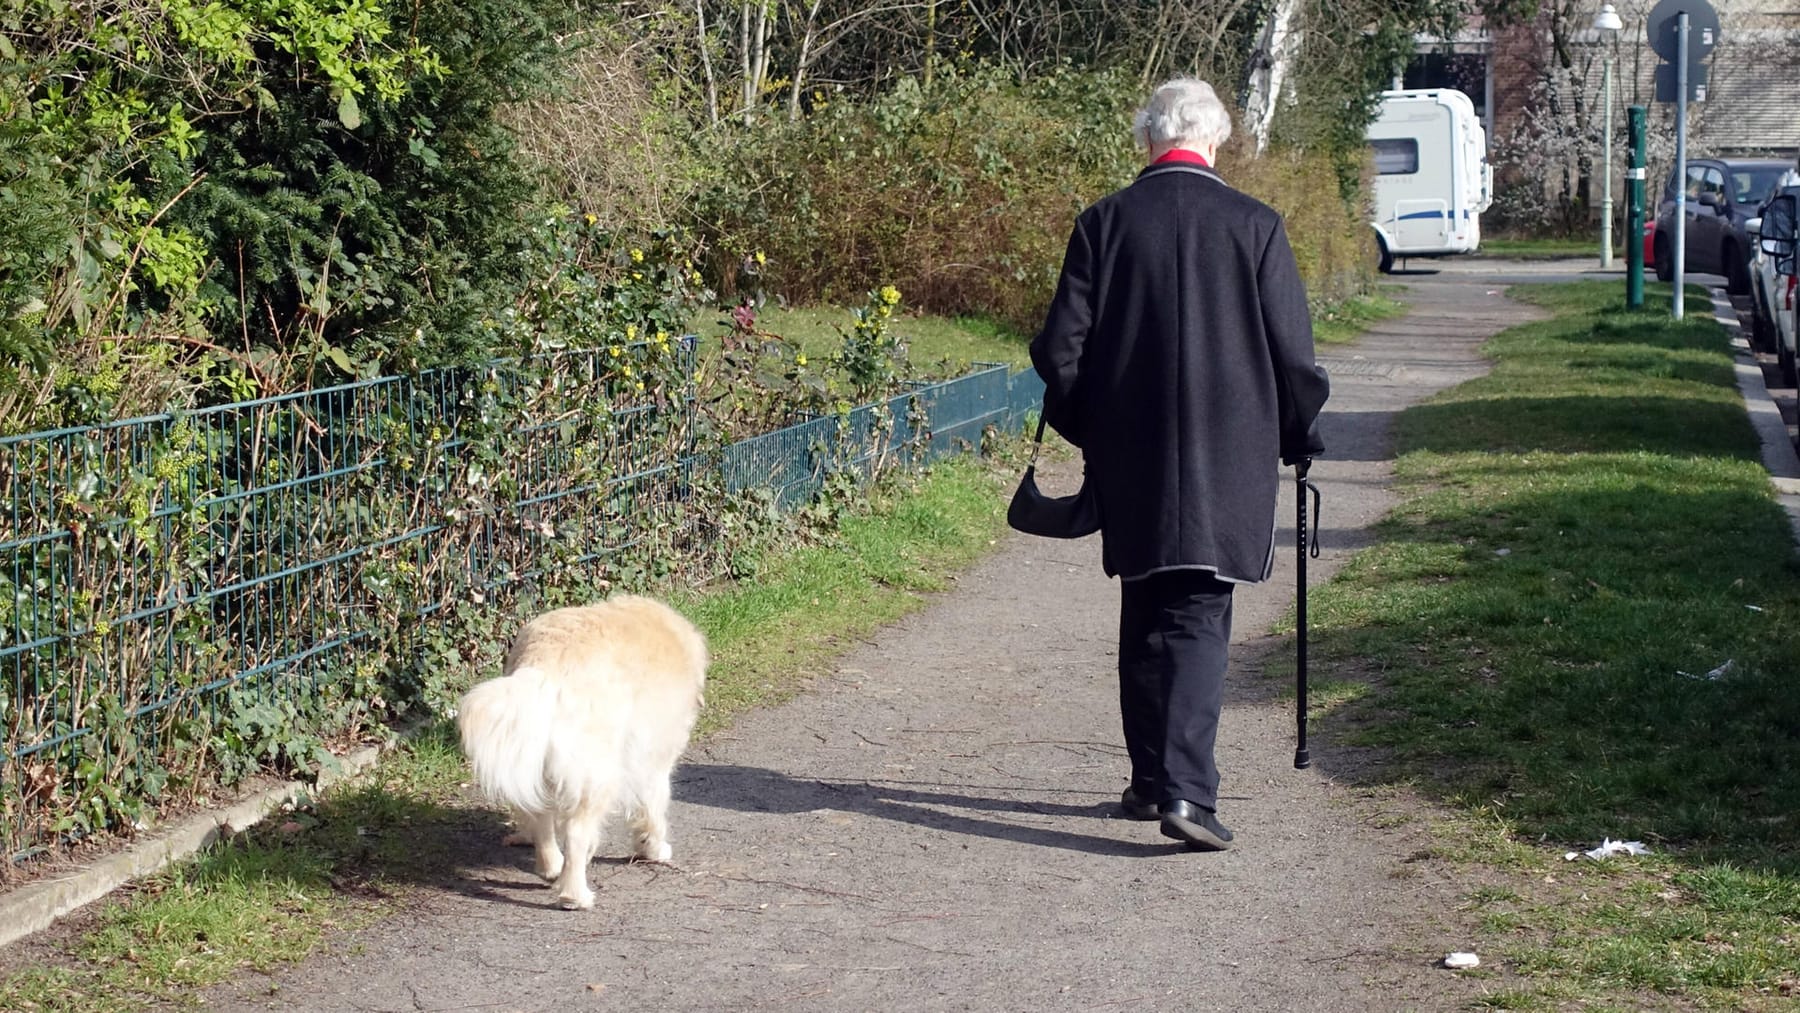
[{"x": 1174, "y": 632}]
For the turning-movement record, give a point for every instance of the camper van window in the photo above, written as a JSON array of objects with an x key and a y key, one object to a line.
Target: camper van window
[{"x": 1396, "y": 156}]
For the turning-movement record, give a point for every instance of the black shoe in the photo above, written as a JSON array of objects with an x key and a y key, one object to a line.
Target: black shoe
[
  {"x": 1135, "y": 808},
  {"x": 1199, "y": 828}
]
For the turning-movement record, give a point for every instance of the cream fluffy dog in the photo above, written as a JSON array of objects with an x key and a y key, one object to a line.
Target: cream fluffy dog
[{"x": 595, "y": 706}]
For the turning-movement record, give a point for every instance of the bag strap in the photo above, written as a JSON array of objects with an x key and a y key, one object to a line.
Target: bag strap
[{"x": 1037, "y": 442}]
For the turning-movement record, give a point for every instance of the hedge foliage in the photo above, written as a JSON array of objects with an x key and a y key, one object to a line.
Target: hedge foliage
[
  {"x": 288, "y": 187},
  {"x": 963, "y": 191}
]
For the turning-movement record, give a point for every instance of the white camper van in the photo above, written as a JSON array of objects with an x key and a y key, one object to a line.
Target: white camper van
[{"x": 1432, "y": 178}]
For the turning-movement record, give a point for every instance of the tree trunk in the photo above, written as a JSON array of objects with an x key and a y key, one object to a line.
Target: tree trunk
[
  {"x": 760, "y": 65},
  {"x": 931, "y": 12},
  {"x": 712, "y": 84},
  {"x": 805, "y": 57},
  {"x": 744, "y": 94},
  {"x": 1269, "y": 69}
]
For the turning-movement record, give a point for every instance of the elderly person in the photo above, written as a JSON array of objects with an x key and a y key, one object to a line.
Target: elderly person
[{"x": 1178, "y": 355}]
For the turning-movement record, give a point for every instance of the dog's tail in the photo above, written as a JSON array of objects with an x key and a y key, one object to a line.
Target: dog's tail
[{"x": 506, "y": 726}]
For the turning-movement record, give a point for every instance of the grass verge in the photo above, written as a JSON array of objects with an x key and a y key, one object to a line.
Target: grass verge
[
  {"x": 262, "y": 898},
  {"x": 804, "y": 607},
  {"x": 1540, "y": 249},
  {"x": 1581, "y": 623},
  {"x": 1346, "y": 321},
  {"x": 935, "y": 345},
  {"x": 941, "y": 346},
  {"x": 272, "y": 895}
]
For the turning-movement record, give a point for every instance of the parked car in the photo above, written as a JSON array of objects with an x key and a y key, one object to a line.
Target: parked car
[
  {"x": 1765, "y": 295},
  {"x": 1773, "y": 279},
  {"x": 1722, "y": 194}
]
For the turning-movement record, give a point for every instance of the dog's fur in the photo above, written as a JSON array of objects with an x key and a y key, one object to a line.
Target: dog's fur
[{"x": 595, "y": 705}]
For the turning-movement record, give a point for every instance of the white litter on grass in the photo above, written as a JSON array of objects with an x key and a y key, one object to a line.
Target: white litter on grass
[
  {"x": 1716, "y": 674},
  {"x": 1754, "y": 608},
  {"x": 1608, "y": 846},
  {"x": 1461, "y": 961},
  {"x": 1502, "y": 552}
]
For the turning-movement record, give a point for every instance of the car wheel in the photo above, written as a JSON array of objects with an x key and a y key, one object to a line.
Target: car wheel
[
  {"x": 1665, "y": 261},
  {"x": 1737, "y": 271},
  {"x": 1386, "y": 265},
  {"x": 1762, "y": 333},
  {"x": 1787, "y": 370}
]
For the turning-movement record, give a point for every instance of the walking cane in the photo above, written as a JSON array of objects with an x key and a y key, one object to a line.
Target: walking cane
[{"x": 1302, "y": 486}]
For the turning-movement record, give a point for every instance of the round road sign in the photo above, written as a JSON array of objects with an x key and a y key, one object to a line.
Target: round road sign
[{"x": 1703, "y": 29}]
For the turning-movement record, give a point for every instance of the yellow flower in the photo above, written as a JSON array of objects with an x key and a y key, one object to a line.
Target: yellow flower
[
  {"x": 760, "y": 259},
  {"x": 625, "y": 369},
  {"x": 890, "y": 295},
  {"x": 637, "y": 256},
  {"x": 640, "y": 385},
  {"x": 591, "y": 219},
  {"x": 662, "y": 337},
  {"x": 696, "y": 277},
  {"x": 614, "y": 352},
  {"x": 637, "y": 276},
  {"x": 799, "y": 360}
]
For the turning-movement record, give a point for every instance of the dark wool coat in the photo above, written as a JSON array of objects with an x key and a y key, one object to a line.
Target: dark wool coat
[{"x": 1178, "y": 355}]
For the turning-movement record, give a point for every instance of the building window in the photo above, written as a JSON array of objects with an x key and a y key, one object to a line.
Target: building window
[{"x": 1396, "y": 156}]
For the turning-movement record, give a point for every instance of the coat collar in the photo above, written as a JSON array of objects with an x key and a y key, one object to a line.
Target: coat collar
[{"x": 1167, "y": 168}]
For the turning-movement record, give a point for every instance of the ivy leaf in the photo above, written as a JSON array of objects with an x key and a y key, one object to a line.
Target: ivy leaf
[{"x": 348, "y": 112}]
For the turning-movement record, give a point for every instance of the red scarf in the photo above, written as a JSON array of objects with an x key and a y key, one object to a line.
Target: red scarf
[{"x": 1182, "y": 155}]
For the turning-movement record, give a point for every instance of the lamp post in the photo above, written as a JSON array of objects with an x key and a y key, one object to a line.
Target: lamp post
[{"x": 1607, "y": 23}]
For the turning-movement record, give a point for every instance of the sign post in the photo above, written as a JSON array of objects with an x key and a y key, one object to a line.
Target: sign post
[
  {"x": 1634, "y": 211},
  {"x": 1679, "y": 245},
  {"x": 1682, "y": 32}
]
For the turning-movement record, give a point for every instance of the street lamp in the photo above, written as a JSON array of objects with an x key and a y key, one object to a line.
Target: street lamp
[{"x": 1607, "y": 23}]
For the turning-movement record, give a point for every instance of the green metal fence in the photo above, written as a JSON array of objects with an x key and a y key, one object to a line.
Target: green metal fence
[{"x": 150, "y": 567}]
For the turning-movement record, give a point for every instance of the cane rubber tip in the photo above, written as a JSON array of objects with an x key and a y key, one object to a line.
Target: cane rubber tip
[{"x": 1302, "y": 759}]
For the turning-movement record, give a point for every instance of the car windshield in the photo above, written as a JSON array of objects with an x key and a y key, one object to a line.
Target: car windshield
[{"x": 1751, "y": 186}]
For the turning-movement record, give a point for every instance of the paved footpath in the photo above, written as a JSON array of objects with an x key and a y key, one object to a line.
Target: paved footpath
[{"x": 929, "y": 827}]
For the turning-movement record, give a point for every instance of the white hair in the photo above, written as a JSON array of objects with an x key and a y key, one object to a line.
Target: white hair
[{"x": 1182, "y": 112}]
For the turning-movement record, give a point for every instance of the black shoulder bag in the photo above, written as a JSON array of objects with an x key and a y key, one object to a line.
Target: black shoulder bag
[{"x": 1034, "y": 513}]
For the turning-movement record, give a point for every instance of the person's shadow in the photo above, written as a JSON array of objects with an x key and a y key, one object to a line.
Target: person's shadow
[{"x": 756, "y": 790}]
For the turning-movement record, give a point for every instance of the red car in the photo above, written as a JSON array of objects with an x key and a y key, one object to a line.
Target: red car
[{"x": 1649, "y": 244}]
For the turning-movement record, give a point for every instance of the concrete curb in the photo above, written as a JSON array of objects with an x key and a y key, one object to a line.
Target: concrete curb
[
  {"x": 1778, "y": 453},
  {"x": 35, "y": 906}
]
